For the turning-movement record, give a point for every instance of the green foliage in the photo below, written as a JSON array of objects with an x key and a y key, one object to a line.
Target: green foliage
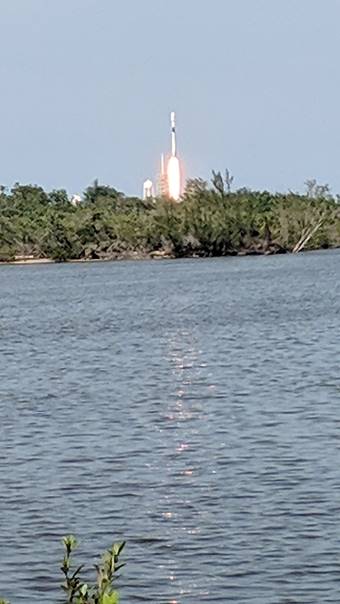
[
  {"x": 102, "y": 591},
  {"x": 96, "y": 193},
  {"x": 211, "y": 220},
  {"x": 77, "y": 590}
]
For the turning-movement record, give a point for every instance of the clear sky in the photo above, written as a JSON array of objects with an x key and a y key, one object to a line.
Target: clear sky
[{"x": 87, "y": 86}]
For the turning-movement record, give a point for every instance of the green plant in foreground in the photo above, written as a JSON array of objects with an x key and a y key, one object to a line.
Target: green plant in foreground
[{"x": 102, "y": 591}]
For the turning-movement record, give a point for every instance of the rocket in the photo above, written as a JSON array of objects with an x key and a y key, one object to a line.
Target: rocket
[
  {"x": 173, "y": 171},
  {"x": 173, "y": 133}
]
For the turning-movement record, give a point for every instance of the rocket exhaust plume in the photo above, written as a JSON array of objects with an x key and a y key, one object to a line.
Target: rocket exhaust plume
[
  {"x": 174, "y": 178},
  {"x": 173, "y": 171}
]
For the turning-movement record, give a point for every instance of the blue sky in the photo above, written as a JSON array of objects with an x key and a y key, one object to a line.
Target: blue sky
[{"x": 87, "y": 86}]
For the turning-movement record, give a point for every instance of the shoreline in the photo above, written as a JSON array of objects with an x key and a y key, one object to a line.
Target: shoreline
[{"x": 156, "y": 255}]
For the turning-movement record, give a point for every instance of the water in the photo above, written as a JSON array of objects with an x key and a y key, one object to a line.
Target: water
[{"x": 190, "y": 407}]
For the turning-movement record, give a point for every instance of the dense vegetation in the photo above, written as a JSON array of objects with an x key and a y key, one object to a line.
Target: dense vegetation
[{"x": 211, "y": 220}]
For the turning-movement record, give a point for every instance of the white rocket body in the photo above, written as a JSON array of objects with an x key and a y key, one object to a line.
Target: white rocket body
[
  {"x": 173, "y": 171},
  {"x": 173, "y": 134}
]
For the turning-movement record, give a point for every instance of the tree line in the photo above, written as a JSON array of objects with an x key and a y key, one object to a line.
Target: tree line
[{"x": 211, "y": 220}]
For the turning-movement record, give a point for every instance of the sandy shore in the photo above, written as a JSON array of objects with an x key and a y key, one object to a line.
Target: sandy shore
[
  {"x": 29, "y": 261},
  {"x": 127, "y": 256}
]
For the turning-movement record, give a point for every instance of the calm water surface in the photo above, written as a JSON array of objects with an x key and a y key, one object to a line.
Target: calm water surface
[{"x": 190, "y": 407}]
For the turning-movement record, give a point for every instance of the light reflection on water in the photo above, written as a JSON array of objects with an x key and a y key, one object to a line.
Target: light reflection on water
[{"x": 190, "y": 407}]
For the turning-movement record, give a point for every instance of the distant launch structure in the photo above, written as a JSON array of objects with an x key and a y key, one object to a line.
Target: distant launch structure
[
  {"x": 163, "y": 180},
  {"x": 169, "y": 181},
  {"x": 148, "y": 192}
]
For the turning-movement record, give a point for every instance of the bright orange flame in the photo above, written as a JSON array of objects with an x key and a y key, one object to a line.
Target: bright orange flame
[{"x": 174, "y": 178}]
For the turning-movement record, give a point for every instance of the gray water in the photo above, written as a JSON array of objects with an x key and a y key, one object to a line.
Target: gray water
[{"x": 190, "y": 407}]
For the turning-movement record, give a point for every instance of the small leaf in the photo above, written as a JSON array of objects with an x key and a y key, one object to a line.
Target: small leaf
[
  {"x": 110, "y": 598},
  {"x": 76, "y": 572}
]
